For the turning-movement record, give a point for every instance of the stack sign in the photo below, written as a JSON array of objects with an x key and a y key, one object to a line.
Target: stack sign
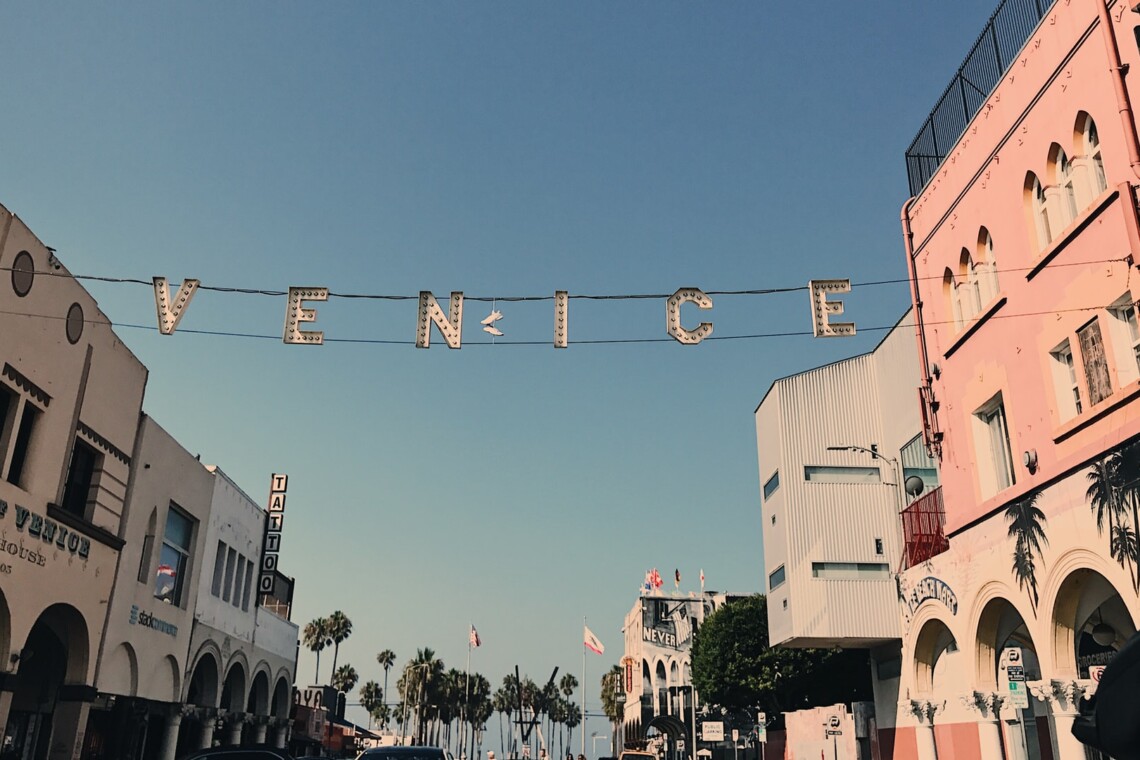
[{"x": 274, "y": 519}]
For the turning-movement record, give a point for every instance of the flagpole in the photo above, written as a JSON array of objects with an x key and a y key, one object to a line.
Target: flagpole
[
  {"x": 583, "y": 686},
  {"x": 467, "y": 680}
]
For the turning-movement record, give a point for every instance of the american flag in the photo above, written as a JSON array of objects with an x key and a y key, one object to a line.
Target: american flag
[{"x": 474, "y": 638}]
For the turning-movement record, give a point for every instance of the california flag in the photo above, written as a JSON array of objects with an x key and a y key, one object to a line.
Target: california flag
[{"x": 592, "y": 641}]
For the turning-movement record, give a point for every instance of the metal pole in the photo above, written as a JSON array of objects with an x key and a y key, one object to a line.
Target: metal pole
[{"x": 584, "y": 686}]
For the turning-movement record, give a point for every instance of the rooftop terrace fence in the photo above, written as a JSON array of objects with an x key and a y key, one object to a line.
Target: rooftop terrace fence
[{"x": 995, "y": 49}]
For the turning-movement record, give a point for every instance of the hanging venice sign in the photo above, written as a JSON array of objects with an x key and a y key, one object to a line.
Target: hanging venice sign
[{"x": 299, "y": 313}]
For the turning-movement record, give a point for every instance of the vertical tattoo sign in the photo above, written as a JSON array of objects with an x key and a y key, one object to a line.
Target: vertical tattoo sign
[{"x": 274, "y": 519}]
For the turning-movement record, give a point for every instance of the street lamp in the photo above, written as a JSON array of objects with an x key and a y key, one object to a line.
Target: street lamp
[
  {"x": 876, "y": 454},
  {"x": 594, "y": 741}
]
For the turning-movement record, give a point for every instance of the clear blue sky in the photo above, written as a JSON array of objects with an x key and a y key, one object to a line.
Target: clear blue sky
[{"x": 501, "y": 149}]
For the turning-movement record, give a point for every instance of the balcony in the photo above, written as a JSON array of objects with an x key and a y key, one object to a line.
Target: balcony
[
  {"x": 995, "y": 49},
  {"x": 923, "y": 533}
]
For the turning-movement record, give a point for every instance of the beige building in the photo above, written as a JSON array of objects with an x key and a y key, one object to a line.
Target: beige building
[{"x": 70, "y": 398}]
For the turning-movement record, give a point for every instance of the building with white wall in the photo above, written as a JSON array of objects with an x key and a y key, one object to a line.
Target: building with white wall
[
  {"x": 657, "y": 666},
  {"x": 243, "y": 656},
  {"x": 837, "y": 445},
  {"x": 70, "y": 398},
  {"x": 143, "y": 661}
]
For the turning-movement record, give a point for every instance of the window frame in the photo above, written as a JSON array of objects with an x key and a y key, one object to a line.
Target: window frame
[
  {"x": 1124, "y": 334},
  {"x": 783, "y": 578},
  {"x": 178, "y": 593},
  {"x": 1066, "y": 382},
  {"x": 993, "y": 437},
  {"x": 771, "y": 485}
]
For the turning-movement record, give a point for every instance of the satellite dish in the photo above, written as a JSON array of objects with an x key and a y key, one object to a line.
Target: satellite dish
[{"x": 914, "y": 485}]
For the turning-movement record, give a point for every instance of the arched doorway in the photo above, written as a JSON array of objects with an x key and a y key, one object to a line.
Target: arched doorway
[
  {"x": 258, "y": 705},
  {"x": 1002, "y": 640},
  {"x": 55, "y": 653},
  {"x": 202, "y": 692},
  {"x": 937, "y": 660},
  {"x": 661, "y": 690},
  {"x": 1090, "y": 623},
  {"x": 234, "y": 701}
]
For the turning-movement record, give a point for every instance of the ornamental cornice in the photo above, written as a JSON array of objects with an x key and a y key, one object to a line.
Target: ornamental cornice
[
  {"x": 1062, "y": 695},
  {"x": 987, "y": 704}
]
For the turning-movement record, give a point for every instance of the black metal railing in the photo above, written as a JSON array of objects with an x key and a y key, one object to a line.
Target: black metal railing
[{"x": 995, "y": 49}]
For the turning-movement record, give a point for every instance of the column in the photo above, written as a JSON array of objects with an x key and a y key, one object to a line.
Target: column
[
  {"x": 924, "y": 711},
  {"x": 987, "y": 705},
  {"x": 282, "y": 731},
  {"x": 206, "y": 738},
  {"x": 235, "y": 726},
  {"x": 170, "y": 734},
  {"x": 69, "y": 724},
  {"x": 1015, "y": 737},
  {"x": 1063, "y": 697},
  {"x": 260, "y": 727}
]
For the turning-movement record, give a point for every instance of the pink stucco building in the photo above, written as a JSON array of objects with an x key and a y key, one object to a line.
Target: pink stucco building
[{"x": 1021, "y": 236}]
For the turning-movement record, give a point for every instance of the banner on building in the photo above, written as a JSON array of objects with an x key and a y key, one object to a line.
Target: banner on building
[{"x": 274, "y": 521}]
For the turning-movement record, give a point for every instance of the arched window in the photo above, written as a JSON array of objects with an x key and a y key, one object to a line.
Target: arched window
[
  {"x": 985, "y": 267},
  {"x": 1065, "y": 180},
  {"x": 1038, "y": 211},
  {"x": 950, "y": 297},
  {"x": 968, "y": 291},
  {"x": 1092, "y": 152}
]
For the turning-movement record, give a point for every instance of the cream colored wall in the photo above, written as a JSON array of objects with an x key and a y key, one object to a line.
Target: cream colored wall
[
  {"x": 166, "y": 473},
  {"x": 36, "y": 346}
]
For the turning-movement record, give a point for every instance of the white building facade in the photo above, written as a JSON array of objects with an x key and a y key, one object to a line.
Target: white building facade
[
  {"x": 841, "y": 455},
  {"x": 70, "y": 398},
  {"x": 657, "y": 667}
]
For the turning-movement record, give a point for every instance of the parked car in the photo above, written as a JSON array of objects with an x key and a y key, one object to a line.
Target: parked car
[
  {"x": 240, "y": 753},
  {"x": 405, "y": 753}
]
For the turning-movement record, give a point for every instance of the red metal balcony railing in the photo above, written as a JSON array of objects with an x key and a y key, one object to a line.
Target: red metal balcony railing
[{"x": 923, "y": 534}]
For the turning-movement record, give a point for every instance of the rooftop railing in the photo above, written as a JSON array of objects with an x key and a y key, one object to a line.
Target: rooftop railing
[{"x": 995, "y": 49}]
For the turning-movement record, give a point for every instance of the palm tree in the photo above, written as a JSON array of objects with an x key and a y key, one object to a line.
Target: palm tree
[
  {"x": 1026, "y": 526},
  {"x": 422, "y": 678},
  {"x": 1106, "y": 499},
  {"x": 345, "y": 678},
  {"x": 1025, "y": 572},
  {"x": 1128, "y": 481},
  {"x": 340, "y": 628},
  {"x": 371, "y": 697},
  {"x": 501, "y": 703},
  {"x": 573, "y": 719},
  {"x": 387, "y": 659},
  {"x": 612, "y": 687},
  {"x": 316, "y": 638},
  {"x": 1123, "y": 545}
]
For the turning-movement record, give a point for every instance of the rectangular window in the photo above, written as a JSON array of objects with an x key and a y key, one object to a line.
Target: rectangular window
[
  {"x": 228, "y": 581},
  {"x": 1125, "y": 337},
  {"x": 248, "y": 585},
  {"x": 219, "y": 570},
  {"x": 842, "y": 474},
  {"x": 850, "y": 571},
  {"x": 1065, "y": 381},
  {"x": 239, "y": 577},
  {"x": 1095, "y": 362},
  {"x": 174, "y": 559},
  {"x": 23, "y": 441},
  {"x": 776, "y": 578},
  {"x": 994, "y": 441},
  {"x": 772, "y": 485},
  {"x": 917, "y": 462},
  {"x": 80, "y": 474}
]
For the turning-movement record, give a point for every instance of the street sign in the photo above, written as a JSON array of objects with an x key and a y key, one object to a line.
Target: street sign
[
  {"x": 712, "y": 731},
  {"x": 1018, "y": 697},
  {"x": 833, "y": 732},
  {"x": 762, "y": 719},
  {"x": 680, "y": 745},
  {"x": 1012, "y": 655},
  {"x": 1095, "y": 672},
  {"x": 736, "y": 735},
  {"x": 1015, "y": 673},
  {"x": 761, "y": 732}
]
